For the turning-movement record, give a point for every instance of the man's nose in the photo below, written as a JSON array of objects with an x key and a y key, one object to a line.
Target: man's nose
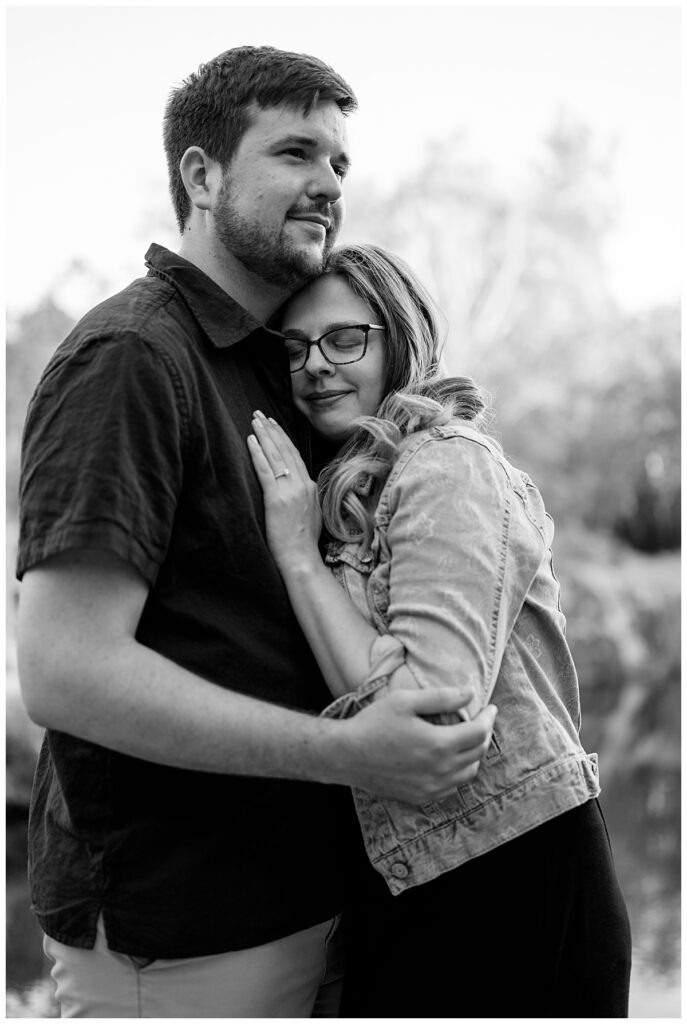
[{"x": 325, "y": 184}]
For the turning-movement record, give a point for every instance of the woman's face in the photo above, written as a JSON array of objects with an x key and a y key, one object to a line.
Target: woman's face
[{"x": 330, "y": 396}]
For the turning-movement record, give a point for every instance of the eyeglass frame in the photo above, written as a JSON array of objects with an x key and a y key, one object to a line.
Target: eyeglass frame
[{"x": 318, "y": 342}]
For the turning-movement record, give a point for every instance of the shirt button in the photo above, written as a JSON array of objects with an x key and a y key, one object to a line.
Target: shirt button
[{"x": 400, "y": 870}]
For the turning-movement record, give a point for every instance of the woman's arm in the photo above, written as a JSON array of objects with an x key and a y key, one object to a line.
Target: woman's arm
[
  {"x": 460, "y": 564},
  {"x": 452, "y": 591},
  {"x": 337, "y": 633}
]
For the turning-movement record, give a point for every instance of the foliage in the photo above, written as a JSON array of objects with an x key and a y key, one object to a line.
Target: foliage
[
  {"x": 31, "y": 342},
  {"x": 607, "y": 454},
  {"x": 587, "y": 398},
  {"x": 37, "y": 1001},
  {"x": 623, "y": 614}
]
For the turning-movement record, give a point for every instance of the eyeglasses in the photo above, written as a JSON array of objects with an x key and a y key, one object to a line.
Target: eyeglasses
[{"x": 339, "y": 346}]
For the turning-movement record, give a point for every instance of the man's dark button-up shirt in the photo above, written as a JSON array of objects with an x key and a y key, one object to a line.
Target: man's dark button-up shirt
[{"x": 135, "y": 442}]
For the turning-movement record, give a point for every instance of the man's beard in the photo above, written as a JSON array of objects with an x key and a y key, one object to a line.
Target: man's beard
[{"x": 275, "y": 260}]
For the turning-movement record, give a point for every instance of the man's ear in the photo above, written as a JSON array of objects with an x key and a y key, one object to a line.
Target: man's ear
[{"x": 201, "y": 176}]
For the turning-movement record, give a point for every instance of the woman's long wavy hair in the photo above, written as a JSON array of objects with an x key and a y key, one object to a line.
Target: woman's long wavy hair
[{"x": 417, "y": 393}]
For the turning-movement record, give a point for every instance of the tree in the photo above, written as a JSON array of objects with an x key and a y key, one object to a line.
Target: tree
[{"x": 586, "y": 398}]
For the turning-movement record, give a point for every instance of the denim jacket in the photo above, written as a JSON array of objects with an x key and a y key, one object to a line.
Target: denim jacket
[{"x": 460, "y": 586}]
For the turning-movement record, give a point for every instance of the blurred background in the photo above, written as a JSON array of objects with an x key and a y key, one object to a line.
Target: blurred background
[{"x": 526, "y": 162}]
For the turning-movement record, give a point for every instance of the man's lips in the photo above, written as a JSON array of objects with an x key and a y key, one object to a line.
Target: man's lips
[{"x": 313, "y": 218}]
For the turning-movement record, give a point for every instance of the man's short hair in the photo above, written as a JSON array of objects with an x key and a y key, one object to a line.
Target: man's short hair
[{"x": 210, "y": 109}]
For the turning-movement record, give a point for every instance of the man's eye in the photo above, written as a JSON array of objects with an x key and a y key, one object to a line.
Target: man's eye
[
  {"x": 340, "y": 172},
  {"x": 295, "y": 151}
]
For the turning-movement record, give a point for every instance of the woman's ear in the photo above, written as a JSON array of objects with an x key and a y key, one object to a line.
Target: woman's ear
[{"x": 200, "y": 175}]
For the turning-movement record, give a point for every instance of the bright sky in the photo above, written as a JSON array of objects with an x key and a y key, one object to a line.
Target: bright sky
[{"x": 87, "y": 86}]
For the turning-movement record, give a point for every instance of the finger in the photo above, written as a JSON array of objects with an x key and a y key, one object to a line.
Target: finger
[
  {"x": 472, "y": 737},
  {"x": 464, "y": 771},
  {"x": 469, "y": 739},
  {"x": 485, "y": 721},
  {"x": 425, "y": 702},
  {"x": 263, "y": 468},
  {"x": 466, "y": 774},
  {"x": 278, "y": 447},
  {"x": 487, "y": 714},
  {"x": 468, "y": 753},
  {"x": 273, "y": 466},
  {"x": 267, "y": 443},
  {"x": 286, "y": 445}
]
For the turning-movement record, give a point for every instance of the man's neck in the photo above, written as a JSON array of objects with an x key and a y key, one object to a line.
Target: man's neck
[{"x": 259, "y": 297}]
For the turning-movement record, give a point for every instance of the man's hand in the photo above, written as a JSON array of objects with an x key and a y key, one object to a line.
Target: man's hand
[{"x": 391, "y": 751}]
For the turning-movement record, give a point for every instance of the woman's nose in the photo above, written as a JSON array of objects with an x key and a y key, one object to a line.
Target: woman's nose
[{"x": 316, "y": 365}]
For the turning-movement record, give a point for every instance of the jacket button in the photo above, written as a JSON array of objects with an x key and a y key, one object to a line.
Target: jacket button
[{"x": 400, "y": 870}]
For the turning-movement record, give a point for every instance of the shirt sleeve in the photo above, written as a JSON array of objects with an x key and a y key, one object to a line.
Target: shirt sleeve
[
  {"x": 102, "y": 454},
  {"x": 454, "y": 586}
]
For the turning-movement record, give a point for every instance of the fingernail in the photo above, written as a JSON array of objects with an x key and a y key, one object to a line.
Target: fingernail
[
  {"x": 252, "y": 439},
  {"x": 272, "y": 420},
  {"x": 260, "y": 415}
]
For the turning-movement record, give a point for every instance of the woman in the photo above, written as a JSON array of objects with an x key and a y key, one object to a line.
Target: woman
[{"x": 502, "y": 899}]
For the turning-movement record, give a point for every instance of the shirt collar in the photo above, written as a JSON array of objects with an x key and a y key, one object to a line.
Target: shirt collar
[{"x": 224, "y": 321}]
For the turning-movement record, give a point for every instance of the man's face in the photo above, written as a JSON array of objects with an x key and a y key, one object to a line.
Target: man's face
[{"x": 280, "y": 206}]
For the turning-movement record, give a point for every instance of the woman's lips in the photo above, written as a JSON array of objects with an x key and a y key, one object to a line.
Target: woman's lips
[{"x": 326, "y": 398}]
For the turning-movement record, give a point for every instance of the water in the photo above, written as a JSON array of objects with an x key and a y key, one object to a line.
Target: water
[
  {"x": 644, "y": 823},
  {"x": 643, "y": 819}
]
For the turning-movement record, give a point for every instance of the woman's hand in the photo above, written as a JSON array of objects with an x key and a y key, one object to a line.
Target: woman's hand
[{"x": 292, "y": 512}]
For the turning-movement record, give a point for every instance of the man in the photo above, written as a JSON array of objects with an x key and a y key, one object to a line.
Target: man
[{"x": 186, "y": 859}]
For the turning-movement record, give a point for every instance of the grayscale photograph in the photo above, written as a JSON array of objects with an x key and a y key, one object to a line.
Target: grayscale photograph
[{"x": 343, "y": 511}]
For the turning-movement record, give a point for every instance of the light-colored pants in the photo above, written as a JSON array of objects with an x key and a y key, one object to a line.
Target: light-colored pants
[{"x": 297, "y": 976}]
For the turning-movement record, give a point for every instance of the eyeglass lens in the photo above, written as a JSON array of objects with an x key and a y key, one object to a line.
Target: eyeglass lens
[{"x": 344, "y": 345}]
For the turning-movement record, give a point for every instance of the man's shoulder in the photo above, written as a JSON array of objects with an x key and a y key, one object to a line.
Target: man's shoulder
[
  {"x": 144, "y": 307},
  {"x": 141, "y": 328}
]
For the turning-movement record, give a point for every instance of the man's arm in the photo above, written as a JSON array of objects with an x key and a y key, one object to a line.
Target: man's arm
[{"x": 83, "y": 672}]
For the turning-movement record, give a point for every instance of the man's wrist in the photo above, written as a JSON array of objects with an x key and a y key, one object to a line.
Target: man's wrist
[{"x": 332, "y": 752}]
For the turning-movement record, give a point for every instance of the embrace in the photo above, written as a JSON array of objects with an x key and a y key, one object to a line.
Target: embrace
[{"x": 277, "y": 579}]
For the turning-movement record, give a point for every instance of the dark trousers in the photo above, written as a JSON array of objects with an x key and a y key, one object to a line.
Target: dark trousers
[{"x": 535, "y": 928}]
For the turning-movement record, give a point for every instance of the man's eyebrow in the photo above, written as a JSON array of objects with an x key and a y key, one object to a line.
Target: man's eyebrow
[{"x": 311, "y": 143}]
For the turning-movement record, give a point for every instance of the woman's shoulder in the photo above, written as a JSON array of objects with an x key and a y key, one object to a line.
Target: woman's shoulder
[
  {"x": 451, "y": 454},
  {"x": 453, "y": 443},
  {"x": 458, "y": 458}
]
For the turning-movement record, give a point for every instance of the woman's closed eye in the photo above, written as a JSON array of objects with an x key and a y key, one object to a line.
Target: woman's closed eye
[
  {"x": 345, "y": 340},
  {"x": 295, "y": 346}
]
